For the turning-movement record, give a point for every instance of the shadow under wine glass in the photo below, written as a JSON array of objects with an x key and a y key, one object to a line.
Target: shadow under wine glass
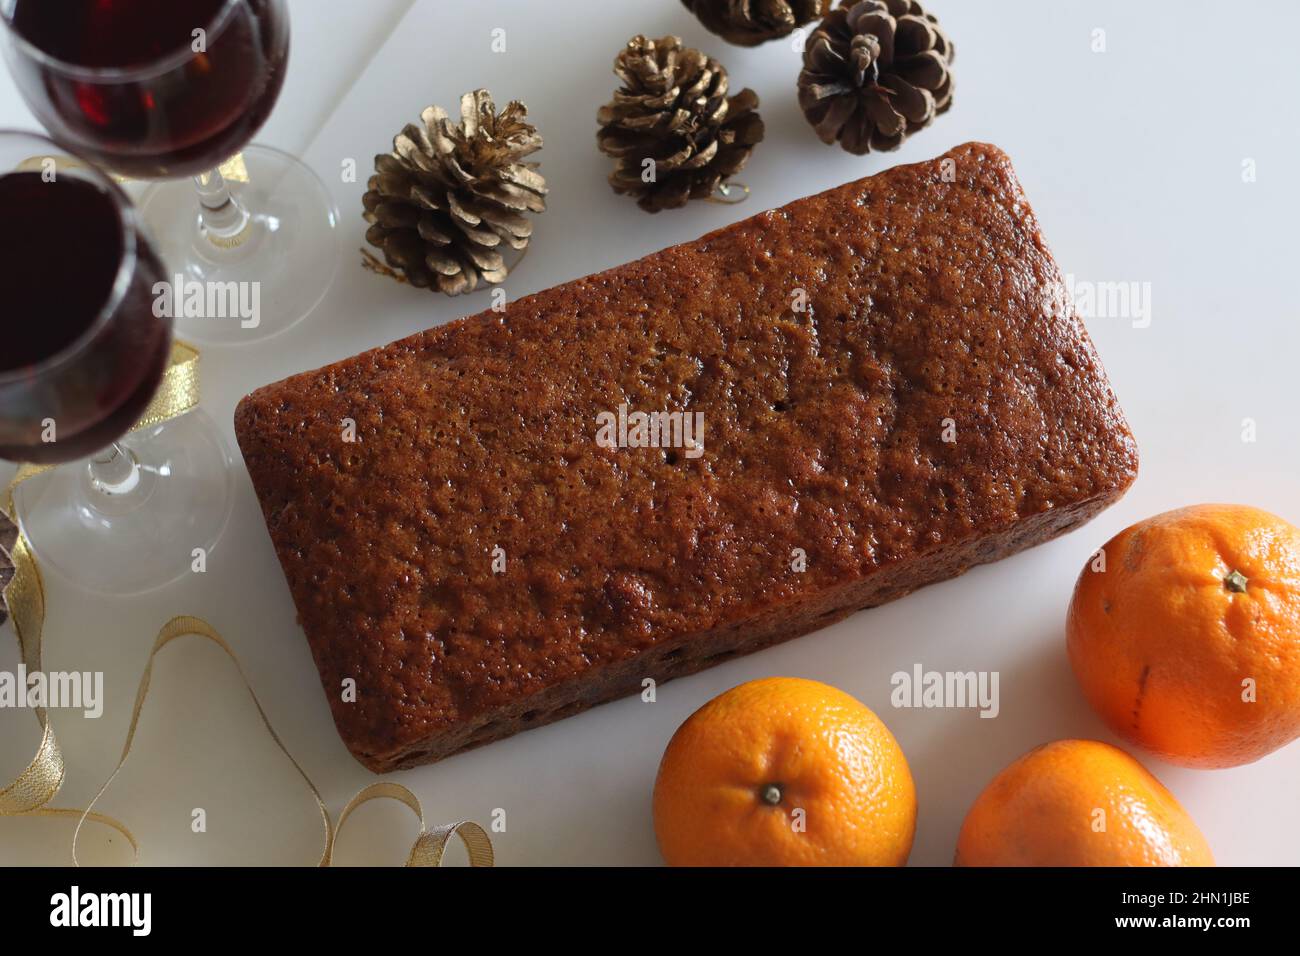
[
  {"x": 161, "y": 89},
  {"x": 84, "y": 351}
]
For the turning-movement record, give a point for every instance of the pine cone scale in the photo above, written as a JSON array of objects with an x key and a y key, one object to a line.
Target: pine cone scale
[
  {"x": 887, "y": 120},
  {"x": 751, "y": 22},
  {"x": 393, "y": 215},
  {"x": 487, "y": 260},
  {"x": 915, "y": 34},
  {"x": 525, "y": 178},
  {"x": 432, "y": 233},
  {"x": 426, "y": 198},
  {"x": 927, "y": 71},
  {"x": 442, "y": 263},
  {"x": 915, "y": 105},
  {"x": 838, "y": 111},
  {"x": 510, "y": 197},
  {"x": 506, "y": 222}
]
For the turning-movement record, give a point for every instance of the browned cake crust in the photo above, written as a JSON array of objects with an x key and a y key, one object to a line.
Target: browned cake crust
[{"x": 928, "y": 301}]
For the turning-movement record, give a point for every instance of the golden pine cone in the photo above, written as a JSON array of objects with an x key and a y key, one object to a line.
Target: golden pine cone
[
  {"x": 672, "y": 118},
  {"x": 451, "y": 196}
]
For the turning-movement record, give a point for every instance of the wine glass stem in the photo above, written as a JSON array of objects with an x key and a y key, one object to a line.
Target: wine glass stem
[
  {"x": 224, "y": 222},
  {"x": 115, "y": 470}
]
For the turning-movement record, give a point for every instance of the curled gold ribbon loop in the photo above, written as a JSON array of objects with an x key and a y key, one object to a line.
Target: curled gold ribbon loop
[
  {"x": 38, "y": 784},
  {"x": 181, "y": 627},
  {"x": 25, "y": 597},
  {"x": 32, "y": 791},
  {"x": 429, "y": 845}
]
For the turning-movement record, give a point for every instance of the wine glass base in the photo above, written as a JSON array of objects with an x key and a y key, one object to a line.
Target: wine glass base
[
  {"x": 281, "y": 265},
  {"x": 161, "y": 525}
]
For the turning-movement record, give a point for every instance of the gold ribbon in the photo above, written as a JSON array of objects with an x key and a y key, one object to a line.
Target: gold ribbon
[
  {"x": 429, "y": 844},
  {"x": 32, "y": 791},
  {"x": 179, "y": 391},
  {"x": 38, "y": 784}
]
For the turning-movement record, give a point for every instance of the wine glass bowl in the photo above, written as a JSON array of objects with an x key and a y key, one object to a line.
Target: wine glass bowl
[
  {"x": 152, "y": 89},
  {"x": 171, "y": 91},
  {"x": 84, "y": 349}
]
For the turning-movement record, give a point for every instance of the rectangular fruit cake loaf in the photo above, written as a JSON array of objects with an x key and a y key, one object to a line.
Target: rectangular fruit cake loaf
[{"x": 889, "y": 388}]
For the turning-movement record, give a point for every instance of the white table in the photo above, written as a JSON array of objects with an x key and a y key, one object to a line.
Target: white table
[{"x": 1132, "y": 159}]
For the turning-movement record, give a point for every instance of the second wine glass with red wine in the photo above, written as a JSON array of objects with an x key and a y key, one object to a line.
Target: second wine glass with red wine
[
  {"x": 84, "y": 351},
  {"x": 173, "y": 90}
]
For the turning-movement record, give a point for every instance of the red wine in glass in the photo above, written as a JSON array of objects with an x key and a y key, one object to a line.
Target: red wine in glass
[
  {"x": 152, "y": 89},
  {"x": 169, "y": 90},
  {"x": 83, "y": 351},
  {"x": 85, "y": 342}
]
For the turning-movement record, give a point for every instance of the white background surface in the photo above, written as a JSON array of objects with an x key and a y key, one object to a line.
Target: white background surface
[{"x": 1132, "y": 159}]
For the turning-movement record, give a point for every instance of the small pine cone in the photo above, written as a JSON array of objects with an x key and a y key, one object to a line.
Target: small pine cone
[
  {"x": 8, "y": 539},
  {"x": 451, "y": 196},
  {"x": 673, "y": 109},
  {"x": 751, "y": 22},
  {"x": 875, "y": 71}
]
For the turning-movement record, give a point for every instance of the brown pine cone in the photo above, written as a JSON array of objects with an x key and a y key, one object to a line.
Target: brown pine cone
[
  {"x": 751, "y": 22},
  {"x": 8, "y": 538},
  {"x": 451, "y": 196},
  {"x": 875, "y": 71},
  {"x": 672, "y": 123}
]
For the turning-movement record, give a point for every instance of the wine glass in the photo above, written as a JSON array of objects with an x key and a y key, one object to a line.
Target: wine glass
[
  {"x": 161, "y": 89},
  {"x": 83, "y": 348}
]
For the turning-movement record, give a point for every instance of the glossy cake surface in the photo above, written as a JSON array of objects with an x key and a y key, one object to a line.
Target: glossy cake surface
[{"x": 934, "y": 406}]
